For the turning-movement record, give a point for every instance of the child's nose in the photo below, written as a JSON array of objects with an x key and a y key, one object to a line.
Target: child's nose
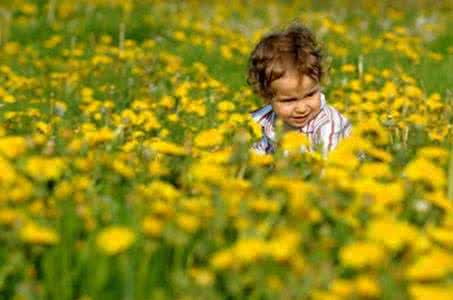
[{"x": 302, "y": 108}]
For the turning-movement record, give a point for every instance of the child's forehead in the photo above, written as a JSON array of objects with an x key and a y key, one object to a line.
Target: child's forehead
[{"x": 292, "y": 82}]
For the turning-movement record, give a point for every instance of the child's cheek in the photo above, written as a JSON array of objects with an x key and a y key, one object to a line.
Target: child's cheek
[{"x": 287, "y": 109}]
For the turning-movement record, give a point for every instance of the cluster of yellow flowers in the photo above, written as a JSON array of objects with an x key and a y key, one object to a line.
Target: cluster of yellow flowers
[{"x": 128, "y": 155}]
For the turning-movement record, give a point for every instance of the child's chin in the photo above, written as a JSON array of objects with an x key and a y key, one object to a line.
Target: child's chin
[{"x": 296, "y": 124}]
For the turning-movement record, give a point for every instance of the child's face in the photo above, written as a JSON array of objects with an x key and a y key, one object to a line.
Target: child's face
[{"x": 296, "y": 101}]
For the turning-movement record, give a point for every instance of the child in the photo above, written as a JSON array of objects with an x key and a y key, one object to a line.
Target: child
[{"x": 285, "y": 71}]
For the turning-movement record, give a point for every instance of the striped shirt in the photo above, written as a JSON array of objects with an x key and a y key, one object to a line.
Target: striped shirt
[{"x": 327, "y": 128}]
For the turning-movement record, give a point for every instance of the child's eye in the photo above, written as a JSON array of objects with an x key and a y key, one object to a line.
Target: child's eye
[
  {"x": 311, "y": 94},
  {"x": 288, "y": 100}
]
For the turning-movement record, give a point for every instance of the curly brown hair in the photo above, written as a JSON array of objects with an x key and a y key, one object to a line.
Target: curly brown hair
[{"x": 292, "y": 48}]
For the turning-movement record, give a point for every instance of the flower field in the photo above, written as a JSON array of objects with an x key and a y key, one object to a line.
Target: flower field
[{"x": 125, "y": 170}]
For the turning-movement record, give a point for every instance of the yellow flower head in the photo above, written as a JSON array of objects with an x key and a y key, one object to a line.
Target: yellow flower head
[
  {"x": 430, "y": 291},
  {"x": 362, "y": 254},
  {"x": 167, "y": 148},
  {"x": 115, "y": 239},
  {"x": 294, "y": 142},
  {"x": 36, "y": 234},
  {"x": 425, "y": 171},
  {"x": 209, "y": 138},
  {"x": 42, "y": 168},
  {"x": 12, "y": 146},
  {"x": 433, "y": 266},
  {"x": 392, "y": 233},
  {"x": 374, "y": 130}
]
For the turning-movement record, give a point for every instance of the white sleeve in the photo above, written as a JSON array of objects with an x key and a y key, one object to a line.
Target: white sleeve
[
  {"x": 263, "y": 146},
  {"x": 330, "y": 135}
]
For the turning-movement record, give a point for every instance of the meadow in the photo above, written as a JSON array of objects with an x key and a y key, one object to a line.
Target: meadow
[{"x": 125, "y": 170}]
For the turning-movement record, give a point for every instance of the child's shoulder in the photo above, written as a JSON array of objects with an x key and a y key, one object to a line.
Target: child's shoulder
[
  {"x": 263, "y": 116},
  {"x": 261, "y": 113}
]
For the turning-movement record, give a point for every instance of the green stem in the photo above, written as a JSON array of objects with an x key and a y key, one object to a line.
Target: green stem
[
  {"x": 450, "y": 176},
  {"x": 128, "y": 281}
]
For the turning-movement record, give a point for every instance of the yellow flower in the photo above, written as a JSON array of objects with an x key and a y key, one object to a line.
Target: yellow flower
[
  {"x": 342, "y": 287},
  {"x": 218, "y": 157},
  {"x": 249, "y": 250},
  {"x": 121, "y": 168},
  {"x": 436, "y": 154},
  {"x": 8, "y": 173},
  {"x": 371, "y": 95},
  {"x": 129, "y": 146},
  {"x": 167, "y": 148},
  {"x": 179, "y": 36},
  {"x": 367, "y": 286},
  {"x": 274, "y": 283},
  {"x": 323, "y": 295},
  {"x": 225, "y": 106},
  {"x": 418, "y": 119},
  {"x": 152, "y": 226},
  {"x": 294, "y": 142},
  {"x": 209, "y": 173},
  {"x": 222, "y": 260},
  {"x": 348, "y": 68},
  {"x": 438, "y": 134},
  {"x": 12, "y": 146},
  {"x": 157, "y": 168},
  {"x": 441, "y": 235},
  {"x": 284, "y": 246},
  {"x": 115, "y": 239},
  {"x": 42, "y": 168},
  {"x": 9, "y": 216},
  {"x": 355, "y": 85},
  {"x": 380, "y": 155},
  {"x": 338, "y": 177},
  {"x": 226, "y": 52},
  {"x": 439, "y": 199},
  {"x": 162, "y": 208},
  {"x": 389, "y": 90},
  {"x": 43, "y": 127},
  {"x": 36, "y": 234},
  {"x": 375, "y": 170},
  {"x": 255, "y": 127},
  {"x": 158, "y": 189},
  {"x": 391, "y": 233},
  {"x": 413, "y": 91},
  {"x": 434, "y": 102},
  {"x": 374, "y": 130},
  {"x": 424, "y": 170},
  {"x": 21, "y": 191},
  {"x": 362, "y": 254},
  {"x": 28, "y": 8},
  {"x": 262, "y": 205},
  {"x": 202, "y": 276},
  {"x": 209, "y": 138},
  {"x": 99, "y": 136},
  {"x": 382, "y": 195},
  {"x": 388, "y": 195},
  {"x": 432, "y": 266},
  {"x": 430, "y": 291},
  {"x": 188, "y": 222},
  {"x": 167, "y": 102},
  {"x": 346, "y": 154}
]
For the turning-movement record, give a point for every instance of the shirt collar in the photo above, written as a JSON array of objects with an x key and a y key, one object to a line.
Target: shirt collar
[{"x": 265, "y": 116}]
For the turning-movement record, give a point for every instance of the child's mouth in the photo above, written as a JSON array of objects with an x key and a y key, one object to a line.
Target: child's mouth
[
  {"x": 300, "y": 121},
  {"x": 301, "y": 118}
]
